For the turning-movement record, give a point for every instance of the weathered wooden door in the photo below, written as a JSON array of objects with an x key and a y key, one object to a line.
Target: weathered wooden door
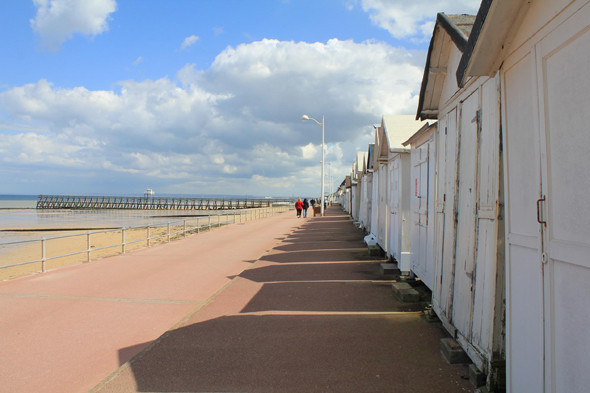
[
  {"x": 394, "y": 206},
  {"x": 422, "y": 199},
  {"x": 488, "y": 282},
  {"x": 466, "y": 199},
  {"x": 382, "y": 208},
  {"x": 445, "y": 215}
]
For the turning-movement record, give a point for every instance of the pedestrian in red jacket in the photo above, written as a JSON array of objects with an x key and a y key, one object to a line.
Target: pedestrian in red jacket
[{"x": 299, "y": 207}]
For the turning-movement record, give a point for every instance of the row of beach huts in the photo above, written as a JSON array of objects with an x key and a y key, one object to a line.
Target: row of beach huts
[{"x": 484, "y": 195}]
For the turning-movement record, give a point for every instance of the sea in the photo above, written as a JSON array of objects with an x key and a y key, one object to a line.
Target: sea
[{"x": 21, "y": 220}]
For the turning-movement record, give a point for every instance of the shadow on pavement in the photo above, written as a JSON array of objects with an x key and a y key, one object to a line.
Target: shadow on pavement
[
  {"x": 300, "y": 354},
  {"x": 325, "y": 322}
]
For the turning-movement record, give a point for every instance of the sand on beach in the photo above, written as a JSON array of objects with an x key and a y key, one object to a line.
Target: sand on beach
[
  {"x": 74, "y": 245},
  {"x": 69, "y": 247}
]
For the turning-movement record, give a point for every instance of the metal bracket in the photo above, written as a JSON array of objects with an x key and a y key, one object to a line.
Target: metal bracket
[{"x": 539, "y": 211}]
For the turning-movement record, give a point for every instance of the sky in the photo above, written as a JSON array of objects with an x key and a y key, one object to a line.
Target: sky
[{"x": 202, "y": 97}]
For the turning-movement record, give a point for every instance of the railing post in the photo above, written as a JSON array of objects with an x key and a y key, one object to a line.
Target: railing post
[
  {"x": 123, "y": 241},
  {"x": 43, "y": 255},
  {"x": 88, "y": 245},
  {"x": 168, "y": 231},
  {"x": 209, "y": 220},
  {"x": 184, "y": 228},
  {"x": 197, "y": 225},
  {"x": 148, "y": 235}
]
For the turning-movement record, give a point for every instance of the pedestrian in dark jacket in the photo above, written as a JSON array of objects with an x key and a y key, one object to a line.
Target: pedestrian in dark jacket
[{"x": 305, "y": 207}]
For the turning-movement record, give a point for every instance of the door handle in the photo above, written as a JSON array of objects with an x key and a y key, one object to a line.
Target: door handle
[{"x": 539, "y": 211}]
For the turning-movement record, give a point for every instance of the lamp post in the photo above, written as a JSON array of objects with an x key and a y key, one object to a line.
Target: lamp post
[
  {"x": 305, "y": 118},
  {"x": 330, "y": 198}
]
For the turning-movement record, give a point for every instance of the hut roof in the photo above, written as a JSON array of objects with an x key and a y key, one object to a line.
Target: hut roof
[{"x": 448, "y": 28}]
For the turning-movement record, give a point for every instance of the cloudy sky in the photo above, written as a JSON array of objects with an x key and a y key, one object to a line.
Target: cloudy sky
[{"x": 201, "y": 97}]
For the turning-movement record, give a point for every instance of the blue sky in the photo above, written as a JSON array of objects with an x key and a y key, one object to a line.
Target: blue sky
[{"x": 201, "y": 97}]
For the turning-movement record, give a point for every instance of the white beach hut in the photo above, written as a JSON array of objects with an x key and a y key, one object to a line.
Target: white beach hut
[
  {"x": 380, "y": 209},
  {"x": 394, "y": 199},
  {"x": 468, "y": 291},
  {"x": 372, "y": 182},
  {"x": 366, "y": 187},
  {"x": 541, "y": 51},
  {"x": 422, "y": 187},
  {"x": 356, "y": 183},
  {"x": 345, "y": 194},
  {"x": 359, "y": 204}
]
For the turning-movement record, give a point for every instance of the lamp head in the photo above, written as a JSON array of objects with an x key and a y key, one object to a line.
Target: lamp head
[{"x": 304, "y": 117}]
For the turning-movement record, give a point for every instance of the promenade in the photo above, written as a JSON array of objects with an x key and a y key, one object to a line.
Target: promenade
[{"x": 275, "y": 305}]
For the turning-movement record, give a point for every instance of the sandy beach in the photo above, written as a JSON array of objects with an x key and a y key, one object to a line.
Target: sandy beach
[{"x": 70, "y": 247}]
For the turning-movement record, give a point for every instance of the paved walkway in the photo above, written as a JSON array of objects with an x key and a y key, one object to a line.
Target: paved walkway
[
  {"x": 66, "y": 330},
  {"x": 276, "y": 305},
  {"x": 314, "y": 314}
]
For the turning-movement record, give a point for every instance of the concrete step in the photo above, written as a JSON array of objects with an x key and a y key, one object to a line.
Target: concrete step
[
  {"x": 452, "y": 351},
  {"x": 405, "y": 293},
  {"x": 389, "y": 268}
]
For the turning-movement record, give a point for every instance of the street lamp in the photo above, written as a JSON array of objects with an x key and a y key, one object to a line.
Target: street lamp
[
  {"x": 330, "y": 198},
  {"x": 305, "y": 118}
]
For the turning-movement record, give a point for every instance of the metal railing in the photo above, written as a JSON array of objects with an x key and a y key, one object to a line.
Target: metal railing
[{"x": 154, "y": 234}]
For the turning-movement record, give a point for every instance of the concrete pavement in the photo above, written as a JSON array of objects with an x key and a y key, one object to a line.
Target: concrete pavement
[{"x": 314, "y": 314}]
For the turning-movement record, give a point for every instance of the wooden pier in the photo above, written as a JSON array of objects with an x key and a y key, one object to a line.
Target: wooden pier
[{"x": 151, "y": 203}]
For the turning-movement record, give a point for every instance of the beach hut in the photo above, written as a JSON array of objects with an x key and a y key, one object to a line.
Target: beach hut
[
  {"x": 371, "y": 187},
  {"x": 380, "y": 190},
  {"x": 366, "y": 187},
  {"x": 344, "y": 194},
  {"x": 395, "y": 191},
  {"x": 422, "y": 187},
  {"x": 468, "y": 291},
  {"x": 541, "y": 51},
  {"x": 356, "y": 182}
]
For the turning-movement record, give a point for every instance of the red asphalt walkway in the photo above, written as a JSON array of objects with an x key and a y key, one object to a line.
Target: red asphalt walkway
[{"x": 275, "y": 305}]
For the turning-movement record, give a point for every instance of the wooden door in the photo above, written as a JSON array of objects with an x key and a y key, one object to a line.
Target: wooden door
[
  {"x": 446, "y": 210},
  {"x": 382, "y": 208},
  {"x": 394, "y": 206},
  {"x": 489, "y": 273},
  {"x": 524, "y": 270},
  {"x": 562, "y": 60},
  {"x": 422, "y": 199},
  {"x": 466, "y": 228}
]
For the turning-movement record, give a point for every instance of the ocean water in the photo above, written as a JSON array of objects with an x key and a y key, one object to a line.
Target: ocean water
[{"x": 19, "y": 218}]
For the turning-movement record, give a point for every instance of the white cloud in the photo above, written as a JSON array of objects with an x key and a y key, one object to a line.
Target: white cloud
[
  {"x": 234, "y": 128},
  {"x": 414, "y": 19},
  {"x": 188, "y": 41},
  {"x": 58, "y": 20},
  {"x": 309, "y": 151}
]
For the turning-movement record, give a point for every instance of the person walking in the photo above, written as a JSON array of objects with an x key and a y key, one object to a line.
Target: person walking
[
  {"x": 299, "y": 207},
  {"x": 305, "y": 207}
]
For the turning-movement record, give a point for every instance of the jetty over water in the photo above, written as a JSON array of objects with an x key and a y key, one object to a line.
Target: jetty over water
[{"x": 151, "y": 203}]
